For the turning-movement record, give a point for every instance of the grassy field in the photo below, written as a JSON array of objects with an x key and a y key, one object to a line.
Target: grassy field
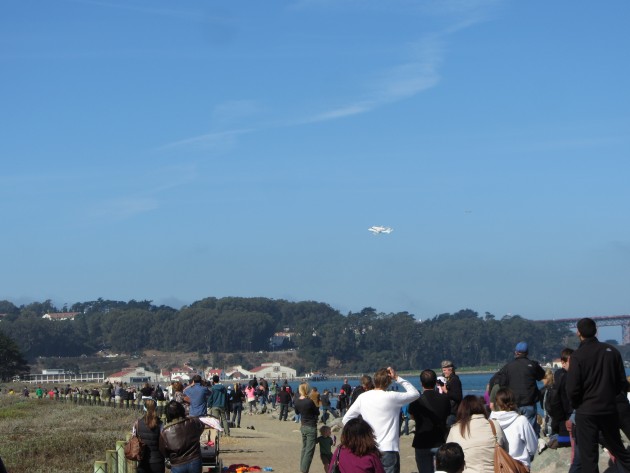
[{"x": 58, "y": 437}]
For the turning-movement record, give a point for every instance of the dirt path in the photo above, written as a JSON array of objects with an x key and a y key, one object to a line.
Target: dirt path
[{"x": 277, "y": 444}]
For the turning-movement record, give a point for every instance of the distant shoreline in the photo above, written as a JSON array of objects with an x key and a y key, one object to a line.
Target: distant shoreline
[{"x": 407, "y": 373}]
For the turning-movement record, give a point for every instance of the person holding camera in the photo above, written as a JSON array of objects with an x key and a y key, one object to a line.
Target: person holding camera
[
  {"x": 381, "y": 409},
  {"x": 452, "y": 388}
]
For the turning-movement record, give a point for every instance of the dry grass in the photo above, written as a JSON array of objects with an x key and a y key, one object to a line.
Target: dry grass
[{"x": 54, "y": 436}]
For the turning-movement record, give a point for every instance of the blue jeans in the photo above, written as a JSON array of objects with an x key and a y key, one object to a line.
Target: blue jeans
[
  {"x": 190, "y": 467},
  {"x": 425, "y": 459},
  {"x": 325, "y": 414},
  {"x": 237, "y": 409},
  {"x": 391, "y": 462},
  {"x": 309, "y": 442},
  {"x": 530, "y": 414}
]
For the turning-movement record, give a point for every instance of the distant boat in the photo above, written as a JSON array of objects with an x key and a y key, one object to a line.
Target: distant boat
[{"x": 315, "y": 376}]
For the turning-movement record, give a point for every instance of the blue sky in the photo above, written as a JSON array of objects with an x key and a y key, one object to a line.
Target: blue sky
[{"x": 173, "y": 151}]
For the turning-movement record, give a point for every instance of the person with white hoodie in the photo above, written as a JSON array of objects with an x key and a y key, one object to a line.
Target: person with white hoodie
[{"x": 516, "y": 428}]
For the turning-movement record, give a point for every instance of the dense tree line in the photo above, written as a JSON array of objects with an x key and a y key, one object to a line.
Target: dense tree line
[{"x": 324, "y": 338}]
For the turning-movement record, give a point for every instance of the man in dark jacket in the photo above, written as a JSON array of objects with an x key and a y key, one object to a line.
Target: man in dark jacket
[
  {"x": 430, "y": 413},
  {"x": 452, "y": 388},
  {"x": 595, "y": 379},
  {"x": 520, "y": 375},
  {"x": 179, "y": 440},
  {"x": 285, "y": 399}
]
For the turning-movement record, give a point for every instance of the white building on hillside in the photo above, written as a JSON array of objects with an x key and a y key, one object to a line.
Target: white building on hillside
[
  {"x": 274, "y": 371},
  {"x": 136, "y": 376}
]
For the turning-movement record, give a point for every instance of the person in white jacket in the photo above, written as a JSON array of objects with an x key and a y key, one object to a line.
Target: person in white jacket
[
  {"x": 381, "y": 409},
  {"x": 516, "y": 428}
]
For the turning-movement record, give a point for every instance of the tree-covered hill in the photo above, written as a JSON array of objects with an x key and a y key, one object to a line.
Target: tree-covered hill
[{"x": 324, "y": 338}]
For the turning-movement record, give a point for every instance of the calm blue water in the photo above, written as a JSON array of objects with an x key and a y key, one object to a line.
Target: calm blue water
[{"x": 471, "y": 384}]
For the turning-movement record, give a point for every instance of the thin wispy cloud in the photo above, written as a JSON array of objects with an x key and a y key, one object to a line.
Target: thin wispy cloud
[
  {"x": 209, "y": 140},
  {"x": 418, "y": 73},
  {"x": 400, "y": 82},
  {"x": 148, "y": 196}
]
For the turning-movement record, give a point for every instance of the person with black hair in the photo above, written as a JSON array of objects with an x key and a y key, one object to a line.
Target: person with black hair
[
  {"x": 179, "y": 440},
  {"x": 595, "y": 379},
  {"x": 450, "y": 458},
  {"x": 430, "y": 413},
  {"x": 218, "y": 403},
  {"x": 198, "y": 394}
]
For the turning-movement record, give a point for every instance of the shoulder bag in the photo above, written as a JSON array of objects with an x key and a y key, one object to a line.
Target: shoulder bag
[
  {"x": 134, "y": 448},
  {"x": 503, "y": 462}
]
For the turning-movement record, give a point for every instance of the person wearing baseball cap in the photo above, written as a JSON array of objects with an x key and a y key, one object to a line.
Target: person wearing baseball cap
[
  {"x": 520, "y": 375},
  {"x": 452, "y": 388}
]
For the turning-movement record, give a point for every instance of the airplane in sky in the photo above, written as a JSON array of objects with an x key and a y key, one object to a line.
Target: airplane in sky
[{"x": 376, "y": 230}]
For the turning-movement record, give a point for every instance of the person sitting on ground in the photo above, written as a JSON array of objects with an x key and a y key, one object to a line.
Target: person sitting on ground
[
  {"x": 450, "y": 458},
  {"x": 358, "y": 451},
  {"x": 520, "y": 435}
]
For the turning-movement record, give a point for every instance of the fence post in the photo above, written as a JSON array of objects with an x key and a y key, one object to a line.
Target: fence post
[
  {"x": 112, "y": 461},
  {"x": 120, "y": 456},
  {"x": 100, "y": 467}
]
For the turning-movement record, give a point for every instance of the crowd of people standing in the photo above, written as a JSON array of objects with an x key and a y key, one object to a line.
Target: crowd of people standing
[{"x": 584, "y": 405}]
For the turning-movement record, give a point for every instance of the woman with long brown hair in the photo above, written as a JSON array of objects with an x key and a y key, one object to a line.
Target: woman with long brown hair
[
  {"x": 358, "y": 451},
  {"x": 148, "y": 429},
  {"x": 516, "y": 428},
  {"x": 473, "y": 432}
]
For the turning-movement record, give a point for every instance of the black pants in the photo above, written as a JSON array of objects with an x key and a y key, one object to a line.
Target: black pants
[
  {"x": 284, "y": 411},
  {"x": 588, "y": 430}
]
